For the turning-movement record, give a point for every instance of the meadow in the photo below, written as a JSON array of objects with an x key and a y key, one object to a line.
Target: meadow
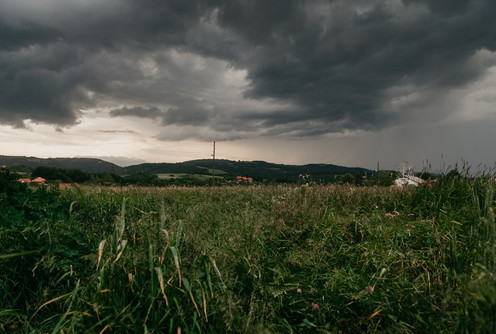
[{"x": 253, "y": 259}]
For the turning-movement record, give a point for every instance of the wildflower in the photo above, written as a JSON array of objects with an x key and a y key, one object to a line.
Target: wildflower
[
  {"x": 369, "y": 288},
  {"x": 315, "y": 307},
  {"x": 298, "y": 290}
]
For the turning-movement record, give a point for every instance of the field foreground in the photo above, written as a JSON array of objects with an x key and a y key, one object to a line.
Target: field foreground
[{"x": 266, "y": 259}]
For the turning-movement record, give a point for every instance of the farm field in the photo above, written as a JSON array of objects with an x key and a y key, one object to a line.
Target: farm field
[
  {"x": 200, "y": 177},
  {"x": 254, "y": 259},
  {"x": 165, "y": 176}
]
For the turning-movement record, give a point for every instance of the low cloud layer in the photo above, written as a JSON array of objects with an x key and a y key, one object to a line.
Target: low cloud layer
[{"x": 230, "y": 69}]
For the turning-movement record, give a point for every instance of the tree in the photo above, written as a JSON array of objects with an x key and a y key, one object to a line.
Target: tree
[
  {"x": 64, "y": 175},
  {"x": 383, "y": 178},
  {"x": 50, "y": 173},
  {"x": 142, "y": 179},
  {"x": 348, "y": 178},
  {"x": 76, "y": 175}
]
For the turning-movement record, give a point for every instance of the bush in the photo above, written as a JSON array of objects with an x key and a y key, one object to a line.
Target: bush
[{"x": 34, "y": 257}]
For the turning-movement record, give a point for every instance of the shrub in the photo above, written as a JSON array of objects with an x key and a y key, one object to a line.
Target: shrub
[{"x": 33, "y": 257}]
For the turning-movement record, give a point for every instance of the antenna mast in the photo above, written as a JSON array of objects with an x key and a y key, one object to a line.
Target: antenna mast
[
  {"x": 213, "y": 167},
  {"x": 377, "y": 177}
]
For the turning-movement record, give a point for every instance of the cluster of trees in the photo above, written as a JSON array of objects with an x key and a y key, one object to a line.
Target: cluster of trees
[
  {"x": 19, "y": 203},
  {"x": 57, "y": 175},
  {"x": 149, "y": 179},
  {"x": 62, "y": 175},
  {"x": 73, "y": 175},
  {"x": 53, "y": 174}
]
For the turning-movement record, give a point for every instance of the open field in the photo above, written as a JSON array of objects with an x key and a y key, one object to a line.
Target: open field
[
  {"x": 166, "y": 176},
  {"x": 271, "y": 259},
  {"x": 201, "y": 177}
]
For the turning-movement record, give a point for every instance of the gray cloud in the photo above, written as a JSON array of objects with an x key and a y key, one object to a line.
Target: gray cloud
[
  {"x": 178, "y": 116},
  {"x": 334, "y": 65},
  {"x": 182, "y": 116},
  {"x": 13, "y": 36},
  {"x": 338, "y": 64},
  {"x": 445, "y": 7},
  {"x": 138, "y": 112},
  {"x": 117, "y": 131}
]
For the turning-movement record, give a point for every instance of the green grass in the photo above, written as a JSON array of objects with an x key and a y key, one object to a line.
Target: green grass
[
  {"x": 203, "y": 178},
  {"x": 167, "y": 176},
  {"x": 260, "y": 259}
]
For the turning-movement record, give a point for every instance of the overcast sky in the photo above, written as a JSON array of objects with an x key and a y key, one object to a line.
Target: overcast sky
[{"x": 348, "y": 82}]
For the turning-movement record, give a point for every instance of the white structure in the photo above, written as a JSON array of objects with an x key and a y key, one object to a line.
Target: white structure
[{"x": 408, "y": 180}]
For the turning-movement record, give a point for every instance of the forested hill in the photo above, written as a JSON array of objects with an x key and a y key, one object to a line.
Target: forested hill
[
  {"x": 256, "y": 169},
  {"x": 89, "y": 165},
  {"x": 260, "y": 170}
]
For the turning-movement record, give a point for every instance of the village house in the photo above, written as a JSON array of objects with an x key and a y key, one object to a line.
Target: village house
[
  {"x": 39, "y": 180},
  {"x": 240, "y": 179}
]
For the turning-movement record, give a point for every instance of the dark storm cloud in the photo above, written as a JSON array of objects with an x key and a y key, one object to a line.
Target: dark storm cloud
[
  {"x": 445, "y": 7},
  {"x": 15, "y": 36},
  {"x": 52, "y": 58},
  {"x": 44, "y": 84},
  {"x": 336, "y": 65},
  {"x": 179, "y": 116}
]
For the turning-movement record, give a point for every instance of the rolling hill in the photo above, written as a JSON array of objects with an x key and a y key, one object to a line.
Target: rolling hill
[
  {"x": 259, "y": 170},
  {"x": 89, "y": 165}
]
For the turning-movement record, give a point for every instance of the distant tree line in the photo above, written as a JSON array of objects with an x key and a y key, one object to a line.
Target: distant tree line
[
  {"x": 57, "y": 175},
  {"x": 54, "y": 175},
  {"x": 71, "y": 175},
  {"x": 62, "y": 175}
]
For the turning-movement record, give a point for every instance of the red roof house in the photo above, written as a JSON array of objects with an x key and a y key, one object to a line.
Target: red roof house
[
  {"x": 39, "y": 180},
  {"x": 240, "y": 179}
]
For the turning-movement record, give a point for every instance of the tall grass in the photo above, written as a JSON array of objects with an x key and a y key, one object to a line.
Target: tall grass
[{"x": 286, "y": 259}]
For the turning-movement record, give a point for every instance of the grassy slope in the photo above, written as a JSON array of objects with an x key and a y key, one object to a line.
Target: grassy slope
[{"x": 255, "y": 259}]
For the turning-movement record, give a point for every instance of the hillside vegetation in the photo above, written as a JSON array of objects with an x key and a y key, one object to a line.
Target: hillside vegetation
[
  {"x": 260, "y": 259},
  {"x": 97, "y": 171},
  {"x": 88, "y": 165}
]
